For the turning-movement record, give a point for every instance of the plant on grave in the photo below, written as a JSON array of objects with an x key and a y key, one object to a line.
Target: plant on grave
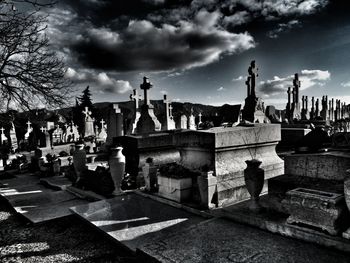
[{"x": 174, "y": 170}]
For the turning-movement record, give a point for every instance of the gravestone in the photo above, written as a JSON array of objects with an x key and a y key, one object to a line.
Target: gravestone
[
  {"x": 89, "y": 123},
  {"x": 136, "y": 116},
  {"x": 103, "y": 134},
  {"x": 3, "y": 138},
  {"x": 169, "y": 123},
  {"x": 253, "y": 110},
  {"x": 183, "y": 122},
  {"x": 296, "y": 104},
  {"x": 147, "y": 122},
  {"x": 192, "y": 121},
  {"x": 29, "y": 130},
  {"x": 115, "y": 124},
  {"x": 13, "y": 137}
]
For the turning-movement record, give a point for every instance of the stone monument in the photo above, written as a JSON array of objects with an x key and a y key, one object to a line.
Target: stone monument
[
  {"x": 253, "y": 110},
  {"x": 135, "y": 97},
  {"x": 183, "y": 122},
  {"x": 192, "y": 121},
  {"x": 169, "y": 123},
  {"x": 89, "y": 123},
  {"x": 13, "y": 137},
  {"x": 296, "y": 103},
  {"x": 147, "y": 122},
  {"x": 103, "y": 134}
]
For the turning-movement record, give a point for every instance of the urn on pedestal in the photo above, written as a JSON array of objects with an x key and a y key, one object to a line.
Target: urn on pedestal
[
  {"x": 117, "y": 168},
  {"x": 254, "y": 180}
]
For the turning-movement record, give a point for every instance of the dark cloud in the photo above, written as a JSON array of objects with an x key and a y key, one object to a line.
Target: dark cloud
[{"x": 160, "y": 35}]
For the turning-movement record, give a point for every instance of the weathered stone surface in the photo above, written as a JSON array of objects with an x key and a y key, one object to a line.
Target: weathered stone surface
[
  {"x": 175, "y": 189},
  {"x": 219, "y": 240},
  {"x": 324, "y": 210},
  {"x": 134, "y": 220},
  {"x": 328, "y": 165},
  {"x": 225, "y": 150}
]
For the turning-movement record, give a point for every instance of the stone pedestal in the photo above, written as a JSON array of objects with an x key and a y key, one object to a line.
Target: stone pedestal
[
  {"x": 253, "y": 110},
  {"x": 207, "y": 184},
  {"x": 225, "y": 150},
  {"x": 147, "y": 122},
  {"x": 176, "y": 189}
]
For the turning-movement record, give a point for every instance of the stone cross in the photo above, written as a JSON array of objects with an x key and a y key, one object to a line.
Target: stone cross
[
  {"x": 2, "y": 135},
  {"x": 253, "y": 73},
  {"x": 166, "y": 102},
  {"x": 117, "y": 129},
  {"x": 2, "y": 130},
  {"x": 135, "y": 97},
  {"x": 145, "y": 86},
  {"x": 28, "y": 123},
  {"x": 42, "y": 129},
  {"x": 87, "y": 112},
  {"x": 102, "y": 123},
  {"x": 170, "y": 110},
  {"x": 247, "y": 82}
]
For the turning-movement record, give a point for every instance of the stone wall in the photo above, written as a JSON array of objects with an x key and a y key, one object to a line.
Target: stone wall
[{"x": 331, "y": 165}]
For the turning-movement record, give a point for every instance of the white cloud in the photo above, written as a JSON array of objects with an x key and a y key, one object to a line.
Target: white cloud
[
  {"x": 345, "y": 84},
  {"x": 221, "y": 89},
  {"x": 101, "y": 81},
  {"x": 308, "y": 78},
  {"x": 283, "y": 27},
  {"x": 240, "y": 78}
]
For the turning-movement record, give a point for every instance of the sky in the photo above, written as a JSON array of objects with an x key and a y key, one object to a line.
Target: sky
[{"x": 199, "y": 51}]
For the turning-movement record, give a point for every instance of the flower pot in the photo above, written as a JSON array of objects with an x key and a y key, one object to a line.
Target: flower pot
[
  {"x": 117, "y": 168},
  {"x": 346, "y": 234},
  {"x": 79, "y": 162},
  {"x": 207, "y": 184},
  {"x": 254, "y": 181}
]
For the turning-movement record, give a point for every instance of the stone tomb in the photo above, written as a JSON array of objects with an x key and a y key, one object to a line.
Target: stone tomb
[
  {"x": 321, "y": 209},
  {"x": 225, "y": 150},
  {"x": 137, "y": 148}
]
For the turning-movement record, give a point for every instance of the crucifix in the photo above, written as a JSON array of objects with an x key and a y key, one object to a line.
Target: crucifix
[
  {"x": 170, "y": 110},
  {"x": 253, "y": 73},
  {"x": 87, "y": 112},
  {"x": 102, "y": 124},
  {"x": 28, "y": 123},
  {"x": 135, "y": 97},
  {"x": 145, "y": 86}
]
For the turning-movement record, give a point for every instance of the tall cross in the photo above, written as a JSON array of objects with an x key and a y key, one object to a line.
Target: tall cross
[
  {"x": 135, "y": 97},
  {"x": 247, "y": 82},
  {"x": 102, "y": 124},
  {"x": 200, "y": 117},
  {"x": 28, "y": 123},
  {"x": 170, "y": 110},
  {"x": 289, "y": 92},
  {"x": 145, "y": 86},
  {"x": 116, "y": 108},
  {"x": 253, "y": 73},
  {"x": 87, "y": 112},
  {"x": 166, "y": 102}
]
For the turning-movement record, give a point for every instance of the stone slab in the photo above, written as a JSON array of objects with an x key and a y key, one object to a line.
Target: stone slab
[
  {"x": 219, "y": 240},
  {"x": 134, "y": 220},
  {"x": 56, "y": 182}
]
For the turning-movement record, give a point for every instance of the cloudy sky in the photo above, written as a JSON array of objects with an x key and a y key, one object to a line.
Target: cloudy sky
[{"x": 199, "y": 50}]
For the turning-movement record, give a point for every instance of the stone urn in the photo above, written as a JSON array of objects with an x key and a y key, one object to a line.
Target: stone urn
[
  {"x": 346, "y": 234},
  {"x": 117, "y": 168},
  {"x": 254, "y": 181},
  {"x": 79, "y": 162}
]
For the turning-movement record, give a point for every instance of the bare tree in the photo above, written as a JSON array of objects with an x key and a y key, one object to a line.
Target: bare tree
[{"x": 30, "y": 73}]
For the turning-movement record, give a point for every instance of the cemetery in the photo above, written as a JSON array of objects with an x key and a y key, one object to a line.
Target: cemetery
[{"x": 163, "y": 182}]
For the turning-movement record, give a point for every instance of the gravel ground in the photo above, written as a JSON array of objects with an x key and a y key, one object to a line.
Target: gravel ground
[{"x": 63, "y": 240}]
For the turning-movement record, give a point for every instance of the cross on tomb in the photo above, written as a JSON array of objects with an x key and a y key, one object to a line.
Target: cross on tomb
[
  {"x": 87, "y": 112},
  {"x": 2, "y": 129},
  {"x": 170, "y": 110},
  {"x": 166, "y": 102},
  {"x": 42, "y": 129},
  {"x": 253, "y": 73},
  {"x": 28, "y": 123},
  {"x": 102, "y": 123},
  {"x": 116, "y": 108},
  {"x": 135, "y": 97},
  {"x": 145, "y": 86},
  {"x": 200, "y": 117}
]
